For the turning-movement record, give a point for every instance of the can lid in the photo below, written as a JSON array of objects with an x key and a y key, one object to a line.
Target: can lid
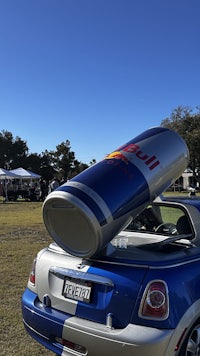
[{"x": 71, "y": 224}]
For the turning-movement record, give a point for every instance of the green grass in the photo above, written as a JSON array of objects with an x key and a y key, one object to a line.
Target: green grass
[{"x": 22, "y": 235}]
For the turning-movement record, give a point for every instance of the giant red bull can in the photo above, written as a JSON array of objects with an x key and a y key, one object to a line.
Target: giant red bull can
[{"x": 85, "y": 213}]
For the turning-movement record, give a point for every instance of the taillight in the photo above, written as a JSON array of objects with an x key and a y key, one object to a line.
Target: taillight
[
  {"x": 32, "y": 274},
  {"x": 80, "y": 350},
  {"x": 155, "y": 303}
]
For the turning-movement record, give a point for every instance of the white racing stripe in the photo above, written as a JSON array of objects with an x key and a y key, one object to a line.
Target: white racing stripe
[{"x": 93, "y": 195}]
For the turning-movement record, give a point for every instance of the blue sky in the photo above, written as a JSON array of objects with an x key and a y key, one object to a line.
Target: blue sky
[{"x": 95, "y": 72}]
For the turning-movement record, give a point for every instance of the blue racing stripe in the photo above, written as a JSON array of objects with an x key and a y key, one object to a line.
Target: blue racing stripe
[
  {"x": 42, "y": 323},
  {"x": 114, "y": 183},
  {"x": 103, "y": 297}
]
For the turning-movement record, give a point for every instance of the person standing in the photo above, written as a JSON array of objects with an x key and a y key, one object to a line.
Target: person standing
[{"x": 53, "y": 185}]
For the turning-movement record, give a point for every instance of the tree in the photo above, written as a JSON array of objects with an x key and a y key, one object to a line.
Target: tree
[
  {"x": 60, "y": 163},
  {"x": 33, "y": 162},
  {"x": 46, "y": 169},
  {"x": 63, "y": 162},
  {"x": 13, "y": 151},
  {"x": 186, "y": 122}
]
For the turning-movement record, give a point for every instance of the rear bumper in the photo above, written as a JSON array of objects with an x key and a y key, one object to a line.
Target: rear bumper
[{"x": 49, "y": 327}]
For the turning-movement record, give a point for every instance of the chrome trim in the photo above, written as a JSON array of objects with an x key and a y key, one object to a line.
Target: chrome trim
[
  {"x": 109, "y": 320},
  {"x": 67, "y": 272},
  {"x": 46, "y": 301},
  {"x": 35, "y": 331}
]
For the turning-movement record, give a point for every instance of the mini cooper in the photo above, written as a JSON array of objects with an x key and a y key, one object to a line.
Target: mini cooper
[{"x": 139, "y": 295}]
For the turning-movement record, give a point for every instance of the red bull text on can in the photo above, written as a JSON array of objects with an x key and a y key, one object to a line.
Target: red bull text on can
[{"x": 85, "y": 213}]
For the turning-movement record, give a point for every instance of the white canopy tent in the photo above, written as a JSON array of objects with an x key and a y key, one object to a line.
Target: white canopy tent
[
  {"x": 25, "y": 174},
  {"x": 4, "y": 175},
  {"x": 18, "y": 173}
]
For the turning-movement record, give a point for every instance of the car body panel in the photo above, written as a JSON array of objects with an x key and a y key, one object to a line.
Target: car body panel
[
  {"x": 112, "y": 320},
  {"x": 46, "y": 326}
]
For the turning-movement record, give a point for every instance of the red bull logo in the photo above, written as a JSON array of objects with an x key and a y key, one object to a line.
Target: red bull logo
[
  {"x": 151, "y": 161},
  {"x": 117, "y": 155}
]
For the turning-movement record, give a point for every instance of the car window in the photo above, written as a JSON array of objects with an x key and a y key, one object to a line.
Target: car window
[
  {"x": 161, "y": 219},
  {"x": 170, "y": 214}
]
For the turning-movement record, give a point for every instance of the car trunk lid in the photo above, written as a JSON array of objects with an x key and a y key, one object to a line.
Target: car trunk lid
[{"x": 97, "y": 290}]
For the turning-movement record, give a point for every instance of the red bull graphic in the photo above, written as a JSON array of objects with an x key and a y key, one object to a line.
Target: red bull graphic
[
  {"x": 85, "y": 213},
  {"x": 150, "y": 161},
  {"x": 117, "y": 155}
]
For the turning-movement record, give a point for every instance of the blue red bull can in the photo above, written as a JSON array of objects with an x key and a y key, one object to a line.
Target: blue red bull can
[{"x": 85, "y": 213}]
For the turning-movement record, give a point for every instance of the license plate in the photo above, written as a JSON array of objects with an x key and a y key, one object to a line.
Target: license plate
[{"x": 80, "y": 290}]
